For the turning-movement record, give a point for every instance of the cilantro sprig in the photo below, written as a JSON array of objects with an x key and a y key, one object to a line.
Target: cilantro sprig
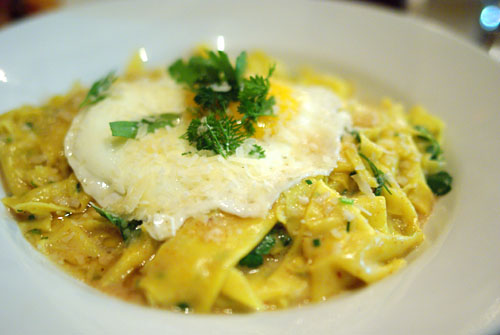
[
  {"x": 379, "y": 176},
  {"x": 216, "y": 83},
  {"x": 433, "y": 148},
  {"x": 98, "y": 90},
  {"x": 129, "y": 129},
  {"x": 440, "y": 183},
  {"x": 128, "y": 229}
]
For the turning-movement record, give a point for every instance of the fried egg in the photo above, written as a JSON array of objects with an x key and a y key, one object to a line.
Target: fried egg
[{"x": 160, "y": 179}]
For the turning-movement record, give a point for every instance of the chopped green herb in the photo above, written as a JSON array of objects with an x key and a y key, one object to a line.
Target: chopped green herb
[
  {"x": 8, "y": 140},
  {"x": 98, "y": 90},
  {"x": 356, "y": 136},
  {"x": 308, "y": 182},
  {"x": 44, "y": 238},
  {"x": 183, "y": 306},
  {"x": 344, "y": 191},
  {"x": 29, "y": 125},
  {"x": 433, "y": 148},
  {"x": 346, "y": 201},
  {"x": 255, "y": 258},
  {"x": 352, "y": 173},
  {"x": 127, "y": 229},
  {"x": 316, "y": 242},
  {"x": 78, "y": 187},
  {"x": 379, "y": 176},
  {"x": 19, "y": 210},
  {"x": 35, "y": 231},
  {"x": 440, "y": 183},
  {"x": 222, "y": 135},
  {"x": 216, "y": 83},
  {"x": 280, "y": 232},
  {"x": 257, "y": 152},
  {"x": 127, "y": 129},
  {"x": 348, "y": 227},
  {"x": 31, "y": 217},
  {"x": 32, "y": 183}
]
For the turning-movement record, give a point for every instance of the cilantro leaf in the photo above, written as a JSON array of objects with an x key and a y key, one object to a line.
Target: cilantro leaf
[
  {"x": 255, "y": 258},
  {"x": 98, "y": 90},
  {"x": 222, "y": 135},
  {"x": 433, "y": 148},
  {"x": 257, "y": 152},
  {"x": 128, "y": 229},
  {"x": 379, "y": 176},
  {"x": 440, "y": 183},
  {"x": 129, "y": 129}
]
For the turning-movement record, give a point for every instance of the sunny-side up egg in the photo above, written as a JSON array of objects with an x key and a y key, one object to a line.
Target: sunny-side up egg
[{"x": 150, "y": 178}]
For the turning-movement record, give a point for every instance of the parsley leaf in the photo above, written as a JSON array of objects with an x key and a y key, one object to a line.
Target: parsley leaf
[
  {"x": 98, "y": 90},
  {"x": 379, "y": 176},
  {"x": 257, "y": 152},
  {"x": 433, "y": 148},
  {"x": 128, "y": 229},
  {"x": 129, "y": 129},
  {"x": 255, "y": 258},
  {"x": 216, "y": 84},
  {"x": 440, "y": 183},
  {"x": 222, "y": 135}
]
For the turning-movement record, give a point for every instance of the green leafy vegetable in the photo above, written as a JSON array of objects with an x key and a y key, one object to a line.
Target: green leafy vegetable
[
  {"x": 433, "y": 148},
  {"x": 222, "y": 135},
  {"x": 255, "y": 258},
  {"x": 129, "y": 129},
  {"x": 440, "y": 183},
  {"x": 257, "y": 152},
  {"x": 183, "y": 306},
  {"x": 308, "y": 182},
  {"x": 348, "y": 226},
  {"x": 316, "y": 242},
  {"x": 356, "y": 136},
  {"x": 379, "y": 176},
  {"x": 216, "y": 83},
  {"x": 98, "y": 90},
  {"x": 346, "y": 201},
  {"x": 127, "y": 229},
  {"x": 280, "y": 232}
]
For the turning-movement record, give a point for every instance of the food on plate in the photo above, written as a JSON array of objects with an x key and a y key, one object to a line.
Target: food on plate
[{"x": 222, "y": 186}]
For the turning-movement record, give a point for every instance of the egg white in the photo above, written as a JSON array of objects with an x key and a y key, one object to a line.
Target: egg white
[{"x": 150, "y": 179}]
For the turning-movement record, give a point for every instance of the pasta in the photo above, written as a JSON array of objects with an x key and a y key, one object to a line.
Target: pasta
[{"x": 324, "y": 235}]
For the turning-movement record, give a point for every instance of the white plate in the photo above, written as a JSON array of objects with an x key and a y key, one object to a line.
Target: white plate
[{"x": 452, "y": 287}]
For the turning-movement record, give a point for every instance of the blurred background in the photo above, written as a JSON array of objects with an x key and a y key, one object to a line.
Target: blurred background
[{"x": 476, "y": 20}]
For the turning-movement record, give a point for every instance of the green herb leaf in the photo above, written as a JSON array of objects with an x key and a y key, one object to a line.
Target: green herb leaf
[
  {"x": 433, "y": 148},
  {"x": 308, "y": 182},
  {"x": 31, "y": 217},
  {"x": 348, "y": 226},
  {"x": 98, "y": 90},
  {"x": 222, "y": 135},
  {"x": 316, "y": 242},
  {"x": 127, "y": 129},
  {"x": 356, "y": 136},
  {"x": 183, "y": 306},
  {"x": 255, "y": 257},
  {"x": 346, "y": 201},
  {"x": 216, "y": 83},
  {"x": 78, "y": 187},
  {"x": 379, "y": 176},
  {"x": 257, "y": 152},
  {"x": 35, "y": 231},
  {"x": 440, "y": 183},
  {"x": 127, "y": 229}
]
